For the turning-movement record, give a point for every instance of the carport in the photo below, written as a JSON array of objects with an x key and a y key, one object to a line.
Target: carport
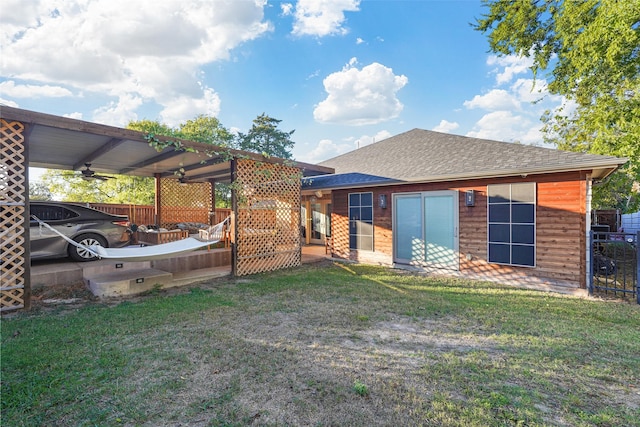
[{"x": 265, "y": 190}]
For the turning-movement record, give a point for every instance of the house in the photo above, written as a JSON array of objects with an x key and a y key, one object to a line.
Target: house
[{"x": 465, "y": 206}]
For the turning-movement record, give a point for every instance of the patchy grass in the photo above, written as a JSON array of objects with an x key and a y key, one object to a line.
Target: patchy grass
[{"x": 328, "y": 344}]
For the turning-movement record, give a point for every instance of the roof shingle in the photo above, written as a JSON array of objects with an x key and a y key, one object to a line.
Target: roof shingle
[{"x": 423, "y": 155}]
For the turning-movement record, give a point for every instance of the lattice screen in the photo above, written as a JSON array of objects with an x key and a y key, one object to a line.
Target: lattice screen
[
  {"x": 268, "y": 217},
  {"x": 189, "y": 202},
  {"x": 14, "y": 263}
]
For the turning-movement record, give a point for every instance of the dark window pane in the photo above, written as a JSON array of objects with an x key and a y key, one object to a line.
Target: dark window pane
[
  {"x": 523, "y": 234},
  {"x": 499, "y": 253},
  {"x": 366, "y": 213},
  {"x": 365, "y": 243},
  {"x": 353, "y": 242},
  {"x": 523, "y": 255},
  {"x": 354, "y": 214},
  {"x": 499, "y": 193},
  {"x": 522, "y": 214},
  {"x": 499, "y": 213},
  {"x": 499, "y": 233},
  {"x": 366, "y": 199},
  {"x": 67, "y": 214},
  {"x": 353, "y": 227},
  {"x": 52, "y": 213},
  {"x": 525, "y": 192},
  {"x": 354, "y": 199}
]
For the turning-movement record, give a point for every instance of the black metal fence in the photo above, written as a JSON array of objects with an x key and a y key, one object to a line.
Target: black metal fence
[{"x": 615, "y": 265}]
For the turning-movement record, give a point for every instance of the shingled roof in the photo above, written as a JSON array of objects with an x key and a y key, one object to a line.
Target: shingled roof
[{"x": 423, "y": 156}]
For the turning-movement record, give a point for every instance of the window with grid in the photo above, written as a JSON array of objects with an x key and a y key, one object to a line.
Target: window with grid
[
  {"x": 512, "y": 224},
  {"x": 361, "y": 221}
]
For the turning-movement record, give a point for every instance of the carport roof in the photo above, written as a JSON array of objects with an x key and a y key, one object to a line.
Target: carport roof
[{"x": 56, "y": 142}]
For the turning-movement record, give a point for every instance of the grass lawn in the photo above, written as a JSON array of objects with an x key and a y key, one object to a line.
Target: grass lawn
[{"x": 325, "y": 345}]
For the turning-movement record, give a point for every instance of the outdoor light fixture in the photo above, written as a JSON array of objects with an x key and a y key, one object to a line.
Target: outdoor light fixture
[
  {"x": 470, "y": 198},
  {"x": 382, "y": 201}
]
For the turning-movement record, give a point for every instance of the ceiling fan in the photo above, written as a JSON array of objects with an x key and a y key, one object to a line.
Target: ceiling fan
[{"x": 91, "y": 174}]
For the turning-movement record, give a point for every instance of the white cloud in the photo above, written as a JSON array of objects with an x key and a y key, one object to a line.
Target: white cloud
[
  {"x": 514, "y": 112},
  {"x": 128, "y": 50},
  {"x": 76, "y": 115},
  {"x": 361, "y": 97},
  {"x": 362, "y": 140},
  {"x": 286, "y": 8},
  {"x": 322, "y": 17},
  {"x": 446, "y": 127},
  {"x": 189, "y": 107},
  {"x": 511, "y": 65},
  {"x": 505, "y": 126},
  {"x": 122, "y": 111},
  {"x": 325, "y": 149},
  {"x": 496, "y": 99},
  {"x": 359, "y": 40},
  {"x": 10, "y": 88},
  {"x": 9, "y": 103},
  {"x": 530, "y": 90}
]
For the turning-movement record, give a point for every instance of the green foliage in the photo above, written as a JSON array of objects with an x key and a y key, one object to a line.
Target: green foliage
[
  {"x": 360, "y": 388},
  {"x": 69, "y": 186},
  {"x": 265, "y": 138},
  {"x": 153, "y": 127},
  {"x": 204, "y": 129},
  {"x": 207, "y": 130},
  {"x": 39, "y": 191},
  {"x": 590, "y": 49}
]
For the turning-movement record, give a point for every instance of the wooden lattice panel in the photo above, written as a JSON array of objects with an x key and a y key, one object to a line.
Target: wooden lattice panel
[
  {"x": 268, "y": 217},
  {"x": 13, "y": 268},
  {"x": 189, "y": 202}
]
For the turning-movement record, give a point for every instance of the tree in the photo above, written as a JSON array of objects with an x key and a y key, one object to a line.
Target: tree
[
  {"x": 204, "y": 129},
  {"x": 207, "y": 130},
  {"x": 71, "y": 187},
  {"x": 590, "y": 50},
  {"x": 265, "y": 138},
  {"x": 39, "y": 191}
]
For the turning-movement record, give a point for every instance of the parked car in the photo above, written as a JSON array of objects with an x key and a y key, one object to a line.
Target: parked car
[{"x": 85, "y": 225}]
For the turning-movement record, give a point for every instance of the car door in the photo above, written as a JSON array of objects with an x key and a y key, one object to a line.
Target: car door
[{"x": 44, "y": 242}]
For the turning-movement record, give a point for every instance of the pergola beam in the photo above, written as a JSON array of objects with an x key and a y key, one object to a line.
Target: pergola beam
[{"x": 110, "y": 145}]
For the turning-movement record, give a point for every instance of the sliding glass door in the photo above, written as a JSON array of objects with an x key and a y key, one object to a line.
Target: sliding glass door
[{"x": 425, "y": 229}]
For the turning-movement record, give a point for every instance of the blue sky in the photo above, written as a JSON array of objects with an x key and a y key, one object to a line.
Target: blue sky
[{"x": 342, "y": 73}]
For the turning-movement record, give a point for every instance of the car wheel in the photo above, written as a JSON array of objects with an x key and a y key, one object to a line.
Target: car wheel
[{"x": 79, "y": 254}]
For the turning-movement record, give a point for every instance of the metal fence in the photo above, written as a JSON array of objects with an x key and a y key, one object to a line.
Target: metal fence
[{"x": 615, "y": 265}]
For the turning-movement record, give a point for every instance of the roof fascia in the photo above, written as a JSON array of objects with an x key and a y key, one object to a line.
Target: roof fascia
[{"x": 606, "y": 171}]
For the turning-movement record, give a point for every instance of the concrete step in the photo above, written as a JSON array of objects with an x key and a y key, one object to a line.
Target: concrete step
[
  {"x": 127, "y": 282},
  {"x": 110, "y": 266}
]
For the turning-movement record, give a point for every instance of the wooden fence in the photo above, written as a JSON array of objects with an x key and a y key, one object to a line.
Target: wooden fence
[{"x": 145, "y": 214}]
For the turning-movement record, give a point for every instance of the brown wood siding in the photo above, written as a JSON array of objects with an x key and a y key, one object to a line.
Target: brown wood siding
[{"x": 560, "y": 226}]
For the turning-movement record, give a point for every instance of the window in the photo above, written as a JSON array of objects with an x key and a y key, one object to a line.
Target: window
[
  {"x": 52, "y": 213},
  {"x": 512, "y": 224},
  {"x": 361, "y": 221}
]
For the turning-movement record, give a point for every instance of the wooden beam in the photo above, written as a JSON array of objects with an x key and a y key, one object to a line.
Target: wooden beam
[
  {"x": 158, "y": 199},
  {"x": 105, "y": 148},
  {"x": 147, "y": 162},
  {"x": 234, "y": 221}
]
